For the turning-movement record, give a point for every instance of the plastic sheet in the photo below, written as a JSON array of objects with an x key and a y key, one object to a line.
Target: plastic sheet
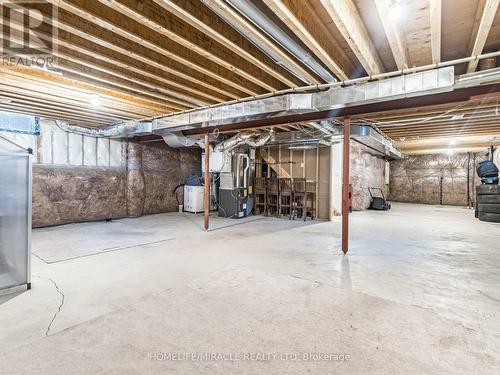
[
  {"x": 15, "y": 200},
  {"x": 434, "y": 179}
]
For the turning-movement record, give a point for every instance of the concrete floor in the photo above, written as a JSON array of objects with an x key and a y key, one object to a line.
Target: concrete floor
[{"x": 418, "y": 293}]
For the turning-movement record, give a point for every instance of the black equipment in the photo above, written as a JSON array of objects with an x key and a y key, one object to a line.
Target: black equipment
[
  {"x": 488, "y": 172},
  {"x": 378, "y": 203}
]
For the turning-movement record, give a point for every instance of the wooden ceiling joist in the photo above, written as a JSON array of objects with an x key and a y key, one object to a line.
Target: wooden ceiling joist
[
  {"x": 73, "y": 43},
  {"x": 202, "y": 18},
  {"x": 248, "y": 28},
  {"x": 168, "y": 25},
  {"x": 111, "y": 20},
  {"x": 53, "y": 79},
  {"x": 346, "y": 17},
  {"x": 176, "y": 100},
  {"x": 299, "y": 17},
  {"x": 102, "y": 118},
  {"x": 31, "y": 89},
  {"x": 144, "y": 57},
  {"x": 489, "y": 13},
  {"x": 393, "y": 34},
  {"x": 48, "y": 113},
  {"x": 435, "y": 7},
  {"x": 99, "y": 113}
]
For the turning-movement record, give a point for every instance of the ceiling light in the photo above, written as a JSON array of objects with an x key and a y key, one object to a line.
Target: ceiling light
[
  {"x": 95, "y": 100},
  {"x": 396, "y": 12},
  {"x": 457, "y": 117},
  {"x": 451, "y": 142}
]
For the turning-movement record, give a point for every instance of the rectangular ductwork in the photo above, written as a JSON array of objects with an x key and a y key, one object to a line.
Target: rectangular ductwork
[
  {"x": 375, "y": 141},
  {"x": 336, "y": 97}
]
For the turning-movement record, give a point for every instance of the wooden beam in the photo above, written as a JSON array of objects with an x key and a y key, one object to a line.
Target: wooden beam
[
  {"x": 346, "y": 17},
  {"x": 56, "y": 94},
  {"x": 248, "y": 28},
  {"x": 131, "y": 29},
  {"x": 477, "y": 22},
  {"x": 79, "y": 86},
  {"x": 489, "y": 12},
  {"x": 100, "y": 37},
  {"x": 190, "y": 37},
  {"x": 175, "y": 100},
  {"x": 393, "y": 34},
  {"x": 105, "y": 42},
  {"x": 346, "y": 154},
  {"x": 435, "y": 129},
  {"x": 299, "y": 17},
  {"x": 435, "y": 8},
  {"x": 47, "y": 113},
  {"x": 200, "y": 16},
  {"x": 64, "y": 108},
  {"x": 78, "y": 52}
]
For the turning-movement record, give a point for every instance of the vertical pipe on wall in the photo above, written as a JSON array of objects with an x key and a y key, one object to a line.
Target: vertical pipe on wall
[
  {"x": 345, "y": 185},
  {"x": 206, "y": 190},
  {"x": 317, "y": 182}
]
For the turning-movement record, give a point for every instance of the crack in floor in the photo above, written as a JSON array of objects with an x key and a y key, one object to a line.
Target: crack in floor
[{"x": 60, "y": 305}]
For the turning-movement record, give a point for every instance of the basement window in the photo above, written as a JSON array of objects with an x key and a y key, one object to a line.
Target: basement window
[{"x": 17, "y": 123}]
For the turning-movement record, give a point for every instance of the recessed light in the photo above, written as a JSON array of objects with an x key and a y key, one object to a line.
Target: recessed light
[
  {"x": 95, "y": 100},
  {"x": 396, "y": 12},
  {"x": 451, "y": 142},
  {"x": 457, "y": 117}
]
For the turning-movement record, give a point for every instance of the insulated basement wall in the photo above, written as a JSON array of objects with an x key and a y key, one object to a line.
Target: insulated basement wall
[
  {"x": 367, "y": 170},
  {"x": 78, "y": 178},
  {"x": 434, "y": 179},
  {"x": 164, "y": 168}
]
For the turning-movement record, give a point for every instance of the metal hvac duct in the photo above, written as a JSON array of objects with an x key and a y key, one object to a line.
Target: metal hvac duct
[
  {"x": 125, "y": 129},
  {"x": 259, "y": 18},
  {"x": 337, "y": 97}
]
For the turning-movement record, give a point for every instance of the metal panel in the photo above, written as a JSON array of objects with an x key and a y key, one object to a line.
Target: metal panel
[{"x": 15, "y": 219}]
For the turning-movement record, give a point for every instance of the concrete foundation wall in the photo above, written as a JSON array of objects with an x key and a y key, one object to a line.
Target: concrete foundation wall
[
  {"x": 434, "y": 179},
  {"x": 367, "y": 170}
]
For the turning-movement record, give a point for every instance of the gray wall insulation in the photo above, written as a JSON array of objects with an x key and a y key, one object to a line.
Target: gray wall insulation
[
  {"x": 69, "y": 194},
  {"x": 367, "y": 170},
  {"x": 435, "y": 178}
]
